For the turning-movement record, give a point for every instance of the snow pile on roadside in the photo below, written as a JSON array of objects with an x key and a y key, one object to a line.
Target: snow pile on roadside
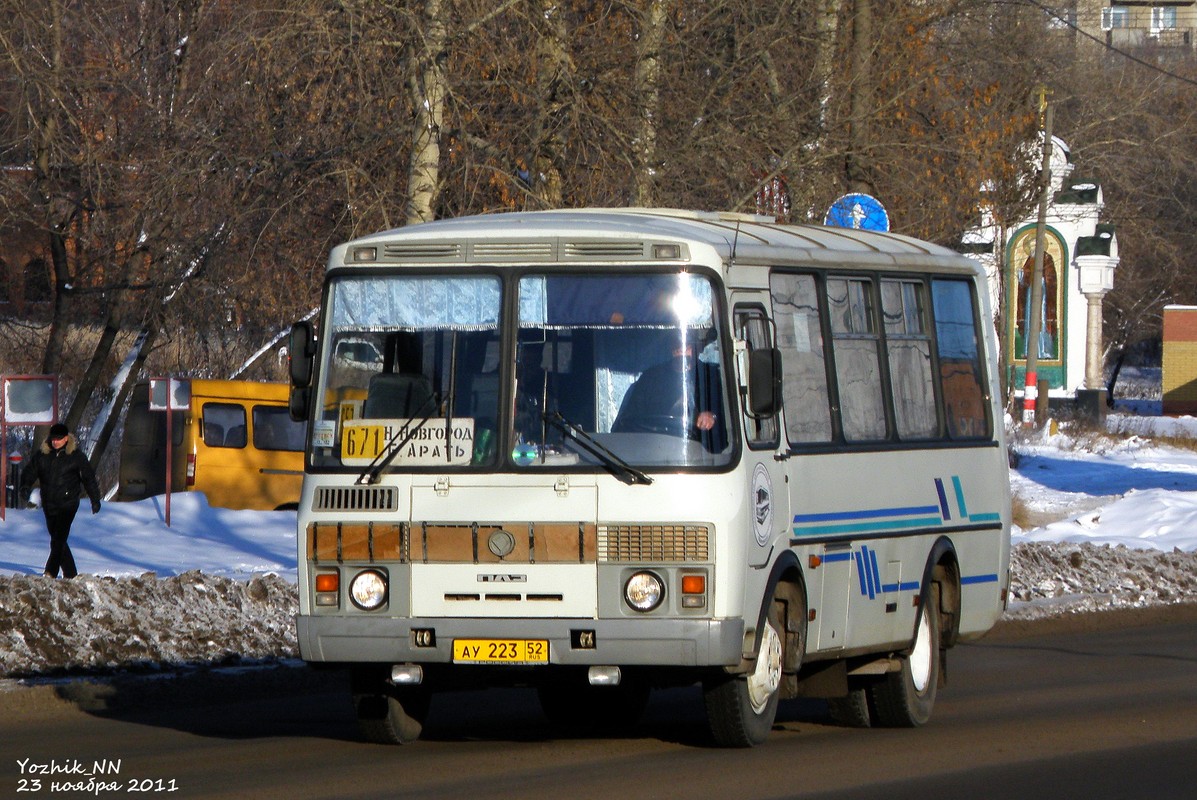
[
  {"x": 1050, "y": 578},
  {"x": 96, "y": 623},
  {"x": 102, "y": 624}
]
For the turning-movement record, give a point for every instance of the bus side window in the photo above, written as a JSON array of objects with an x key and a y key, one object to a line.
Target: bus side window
[
  {"x": 805, "y": 395},
  {"x": 960, "y": 372},
  {"x": 908, "y": 345},
  {"x": 275, "y": 430},
  {"x": 856, "y": 346},
  {"x": 224, "y": 425}
]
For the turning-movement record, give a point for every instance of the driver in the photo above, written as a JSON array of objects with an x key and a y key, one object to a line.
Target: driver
[{"x": 681, "y": 396}]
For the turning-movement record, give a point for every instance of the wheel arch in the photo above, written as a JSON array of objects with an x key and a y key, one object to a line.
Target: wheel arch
[
  {"x": 943, "y": 568},
  {"x": 786, "y": 583}
]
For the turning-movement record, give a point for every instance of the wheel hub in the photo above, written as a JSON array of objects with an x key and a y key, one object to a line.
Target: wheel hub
[{"x": 766, "y": 676}]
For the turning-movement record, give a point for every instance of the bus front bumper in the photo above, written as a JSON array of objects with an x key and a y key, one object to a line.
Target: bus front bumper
[{"x": 620, "y": 642}]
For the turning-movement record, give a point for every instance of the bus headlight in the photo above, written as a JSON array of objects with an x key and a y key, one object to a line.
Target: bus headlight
[
  {"x": 644, "y": 591},
  {"x": 368, "y": 590}
]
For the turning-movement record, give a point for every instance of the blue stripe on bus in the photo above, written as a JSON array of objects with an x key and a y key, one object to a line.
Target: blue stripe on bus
[
  {"x": 876, "y": 572},
  {"x": 959, "y": 495},
  {"x": 860, "y": 574},
  {"x": 911, "y": 586},
  {"x": 864, "y": 527},
  {"x": 943, "y": 500},
  {"x": 831, "y": 558},
  {"x": 882, "y": 520},
  {"x": 969, "y": 580},
  {"x": 864, "y": 514}
]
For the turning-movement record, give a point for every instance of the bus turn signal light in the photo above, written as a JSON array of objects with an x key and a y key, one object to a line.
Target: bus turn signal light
[{"x": 328, "y": 582}]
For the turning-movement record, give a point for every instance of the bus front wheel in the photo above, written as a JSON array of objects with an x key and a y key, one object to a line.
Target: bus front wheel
[
  {"x": 904, "y": 699},
  {"x": 741, "y": 708}
]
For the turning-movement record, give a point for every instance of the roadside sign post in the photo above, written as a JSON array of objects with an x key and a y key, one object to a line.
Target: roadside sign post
[
  {"x": 169, "y": 395},
  {"x": 24, "y": 400}
]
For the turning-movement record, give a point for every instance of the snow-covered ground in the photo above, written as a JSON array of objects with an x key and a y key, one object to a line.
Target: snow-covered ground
[{"x": 1113, "y": 523}]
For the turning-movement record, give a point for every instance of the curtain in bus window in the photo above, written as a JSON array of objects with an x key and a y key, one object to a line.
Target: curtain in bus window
[
  {"x": 908, "y": 343},
  {"x": 658, "y": 301},
  {"x": 959, "y": 359},
  {"x": 855, "y": 342},
  {"x": 800, "y": 339},
  {"x": 458, "y": 302}
]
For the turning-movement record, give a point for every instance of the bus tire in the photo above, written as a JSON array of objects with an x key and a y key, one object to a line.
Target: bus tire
[
  {"x": 852, "y": 710},
  {"x": 741, "y": 708},
  {"x": 904, "y": 699},
  {"x": 389, "y": 714}
]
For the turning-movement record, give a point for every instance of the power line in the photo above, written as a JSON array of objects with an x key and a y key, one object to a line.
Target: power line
[{"x": 1129, "y": 56}]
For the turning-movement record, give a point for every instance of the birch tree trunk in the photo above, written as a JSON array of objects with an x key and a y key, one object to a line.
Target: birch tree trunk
[
  {"x": 648, "y": 100},
  {"x": 57, "y": 211},
  {"x": 429, "y": 87},
  {"x": 553, "y": 69},
  {"x": 857, "y": 166}
]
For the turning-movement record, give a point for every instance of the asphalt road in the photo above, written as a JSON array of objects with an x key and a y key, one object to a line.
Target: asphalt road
[{"x": 1090, "y": 707}]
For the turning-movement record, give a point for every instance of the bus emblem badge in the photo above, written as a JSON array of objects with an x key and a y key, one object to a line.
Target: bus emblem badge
[
  {"x": 762, "y": 505},
  {"x": 501, "y": 543}
]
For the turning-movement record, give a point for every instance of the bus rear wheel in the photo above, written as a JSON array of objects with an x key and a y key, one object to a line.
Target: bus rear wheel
[
  {"x": 904, "y": 699},
  {"x": 851, "y": 710},
  {"x": 741, "y": 708}
]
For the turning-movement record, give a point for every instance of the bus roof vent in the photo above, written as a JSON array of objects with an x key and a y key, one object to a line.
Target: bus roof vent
[
  {"x": 356, "y": 498},
  {"x": 609, "y": 249},
  {"x": 534, "y": 250},
  {"x": 422, "y": 251}
]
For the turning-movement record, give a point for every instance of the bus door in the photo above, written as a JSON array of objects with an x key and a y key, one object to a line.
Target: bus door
[
  {"x": 768, "y": 496},
  {"x": 837, "y": 567}
]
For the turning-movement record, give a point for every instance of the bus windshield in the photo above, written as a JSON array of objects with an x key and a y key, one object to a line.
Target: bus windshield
[
  {"x": 610, "y": 371},
  {"x": 629, "y": 364}
]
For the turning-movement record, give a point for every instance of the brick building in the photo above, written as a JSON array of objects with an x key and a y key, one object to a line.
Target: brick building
[{"x": 1180, "y": 360}]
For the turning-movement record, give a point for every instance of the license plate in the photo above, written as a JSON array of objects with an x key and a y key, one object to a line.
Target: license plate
[{"x": 500, "y": 651}]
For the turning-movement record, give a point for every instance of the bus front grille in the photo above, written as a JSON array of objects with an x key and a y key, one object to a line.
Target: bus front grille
[
  {"x": 625, "y": 543},
  {"x": 356, "y": 498}
]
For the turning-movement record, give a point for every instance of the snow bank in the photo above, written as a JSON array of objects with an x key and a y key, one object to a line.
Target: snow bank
[
  {"x": 101, "y": 623},
  {"x": 1051, "y": 578}
]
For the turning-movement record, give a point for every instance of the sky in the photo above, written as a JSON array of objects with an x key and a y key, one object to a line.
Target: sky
[{"x": 1116, "y": 490}]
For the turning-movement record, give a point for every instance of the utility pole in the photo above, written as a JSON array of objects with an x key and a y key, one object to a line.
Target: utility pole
[{"x": 1035, "y": 303}]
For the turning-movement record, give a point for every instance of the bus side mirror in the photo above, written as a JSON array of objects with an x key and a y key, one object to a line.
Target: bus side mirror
[
  {"x": 764, "y": 382},
  {"x": 300, "y": 352},
  {"x": 298, "y": 403}
]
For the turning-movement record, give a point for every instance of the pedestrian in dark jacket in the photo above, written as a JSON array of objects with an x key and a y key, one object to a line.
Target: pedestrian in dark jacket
[{"x": 63, "y": 470}]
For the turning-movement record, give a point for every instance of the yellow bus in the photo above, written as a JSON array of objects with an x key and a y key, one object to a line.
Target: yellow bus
[{"x": 237, "y": 444}]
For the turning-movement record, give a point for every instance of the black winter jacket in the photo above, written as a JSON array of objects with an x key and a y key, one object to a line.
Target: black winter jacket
[{"x": 61, "y": 473}]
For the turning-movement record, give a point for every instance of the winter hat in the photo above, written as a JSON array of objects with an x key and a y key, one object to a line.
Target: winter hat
[{"x": 58, "y": 430}]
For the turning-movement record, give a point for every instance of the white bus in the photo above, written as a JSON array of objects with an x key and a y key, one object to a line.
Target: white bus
[{"x": 602, "y": 451}]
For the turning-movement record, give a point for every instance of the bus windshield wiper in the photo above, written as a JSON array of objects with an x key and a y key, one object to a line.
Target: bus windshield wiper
[
  {"x": 619, "y": 468},
  {"x": 405, "y": 434}
]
